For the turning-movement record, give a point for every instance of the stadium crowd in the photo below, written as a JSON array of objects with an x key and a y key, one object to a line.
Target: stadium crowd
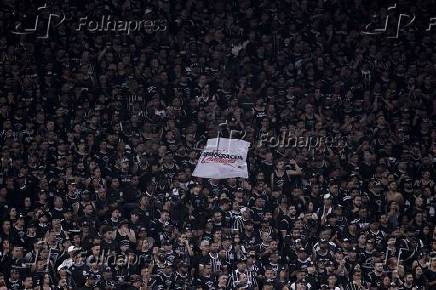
[{"x": 101, "y": 130}]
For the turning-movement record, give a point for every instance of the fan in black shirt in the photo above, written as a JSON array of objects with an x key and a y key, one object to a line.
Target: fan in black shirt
[
  {"x": 108, "y": 243},
  {"x": 91, "y": 281},
  {"x": 430, "y": 273}
]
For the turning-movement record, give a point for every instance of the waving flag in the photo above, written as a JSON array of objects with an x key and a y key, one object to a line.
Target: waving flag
[{"x": 223, "y": 158}]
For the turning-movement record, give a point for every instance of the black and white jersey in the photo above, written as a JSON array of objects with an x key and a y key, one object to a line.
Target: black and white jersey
[
  {"x": 237, "y": 280},
  {"x": 215, "y": 262}
]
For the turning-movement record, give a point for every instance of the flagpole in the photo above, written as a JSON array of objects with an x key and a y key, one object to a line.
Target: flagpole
[
  {"x": 218, "y": 141},
  {"x": 219, "y": 136}
]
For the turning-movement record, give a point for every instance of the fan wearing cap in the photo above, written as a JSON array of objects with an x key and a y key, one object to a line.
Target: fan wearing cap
[{"x": 72, "y": 251}]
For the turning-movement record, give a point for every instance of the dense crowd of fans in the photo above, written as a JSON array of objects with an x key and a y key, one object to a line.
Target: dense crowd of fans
[{"x": 101, "y": 130}]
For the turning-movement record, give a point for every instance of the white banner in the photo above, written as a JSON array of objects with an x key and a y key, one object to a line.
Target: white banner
[{"x": 223, "y": 158}]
